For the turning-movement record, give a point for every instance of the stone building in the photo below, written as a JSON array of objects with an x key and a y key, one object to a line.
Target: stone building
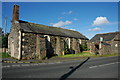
[
  {"x": 106, "y": 43},
  {"x": 30, "y": 40}
]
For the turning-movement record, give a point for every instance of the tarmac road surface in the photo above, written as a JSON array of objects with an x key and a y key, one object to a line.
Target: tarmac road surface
[{"x": 103, "y": 67}]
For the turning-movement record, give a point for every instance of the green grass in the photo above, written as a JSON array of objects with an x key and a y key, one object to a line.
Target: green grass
[
  {"x": 83, "y": 54},
  {"x": 87, "y": 54},
  {"x": 4, "y": 55},
  {"x": 114, "y": 54}
]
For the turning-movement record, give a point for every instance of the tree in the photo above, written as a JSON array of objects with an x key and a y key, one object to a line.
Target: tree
[
  {"x": 5, "y": 41},
  {"x": 81, "y": 48},
  {"x": 85, "y": 47},
  {"x": 1, "y": 32}
]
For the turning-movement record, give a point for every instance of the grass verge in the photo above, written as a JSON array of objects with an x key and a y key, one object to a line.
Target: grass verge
[
  {"x": 87, "y": 54},
  {"x": 4, "y": 55}
]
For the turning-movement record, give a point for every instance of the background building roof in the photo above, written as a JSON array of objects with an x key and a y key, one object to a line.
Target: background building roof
[{"x": 105, "y": 36}]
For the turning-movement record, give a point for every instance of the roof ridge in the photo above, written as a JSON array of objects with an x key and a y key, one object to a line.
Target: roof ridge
[{"x": 108, "y": 33}]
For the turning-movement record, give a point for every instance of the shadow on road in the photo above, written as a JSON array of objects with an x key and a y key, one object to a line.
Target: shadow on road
[{"x": 65, "y": 76}]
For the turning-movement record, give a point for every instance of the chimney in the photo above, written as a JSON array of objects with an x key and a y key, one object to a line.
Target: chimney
[{"x": 15, "y": 17}]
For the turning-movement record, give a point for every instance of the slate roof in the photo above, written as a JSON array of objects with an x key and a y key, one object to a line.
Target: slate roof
[
  {"x": 106, "y": 36},
  {"x": 49, "y": 30},
  {"x": 105, "y": 43}
]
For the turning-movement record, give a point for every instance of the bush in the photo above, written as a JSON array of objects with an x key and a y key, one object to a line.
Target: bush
[
  {"x": 83, "y": 47},
  {"x": 4, "y": 41}
]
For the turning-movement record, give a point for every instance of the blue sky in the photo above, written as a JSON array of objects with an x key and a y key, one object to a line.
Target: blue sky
[{"x": 88, "y": 18}]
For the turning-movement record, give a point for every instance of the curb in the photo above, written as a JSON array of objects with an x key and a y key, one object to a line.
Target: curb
[{"x": 6, "y": 61}]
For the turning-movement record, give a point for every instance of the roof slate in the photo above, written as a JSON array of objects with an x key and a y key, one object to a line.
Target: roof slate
[
  {"x": 39, "y": 28},
  {"x": 106, "y": 36}
]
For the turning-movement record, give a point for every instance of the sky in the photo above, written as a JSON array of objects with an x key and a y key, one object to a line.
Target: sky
[{"x": 88, "y": 18}]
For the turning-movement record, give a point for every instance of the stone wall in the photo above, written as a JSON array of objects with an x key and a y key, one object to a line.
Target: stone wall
[
  {"x": 92, "y": 47},
  {"x": 83, "y": 42},
  {"x": 115, "y": 45},
  {"x": 106, "y": 49},
  {"x": 58, "y": 48},
  {"x": 33, "y": 46},
  {"x": 13, "y": 42},
  {"x": 42, "y": 46},
  {"x": 62, "y": 39},
  {"x": 75, "y": 45},
  {"x": 38, "y": 46},
  {"x": 57, "y": 44},
  {"x": 52, "y": 45},
  {"x": 28, "y": 45}
]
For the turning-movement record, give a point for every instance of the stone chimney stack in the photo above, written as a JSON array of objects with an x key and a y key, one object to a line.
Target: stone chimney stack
[{"x": 15, "y": 16}]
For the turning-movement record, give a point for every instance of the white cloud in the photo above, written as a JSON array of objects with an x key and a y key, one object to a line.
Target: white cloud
[
  {"x": 69, "y": 12},
  {"x": 75, "y": 19},
  {"x": 95, "y": 29},
  {"x": 100, "y": 21},
  {"x": 61, "y": 23},
  {"x": 73, "y": 29}
]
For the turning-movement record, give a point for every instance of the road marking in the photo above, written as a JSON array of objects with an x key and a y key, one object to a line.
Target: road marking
[
  {"x": 51, "y": 63},
  {"x": 25, "y": 65},
  {"x": 34, "y": 64},
  {"x": 93, "y": 66},
  {"x": 41, "y": 63},
  {"x": 15, "y": 65},
  {"x": 106, "y": 64},
  {"x": 103, "y": 65},
  {"x": 6, "y": 66},
  {"x": 117, "y": 62}
]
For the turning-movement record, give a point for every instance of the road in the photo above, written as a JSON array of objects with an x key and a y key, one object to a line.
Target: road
[{"x": 104, "y": 67}]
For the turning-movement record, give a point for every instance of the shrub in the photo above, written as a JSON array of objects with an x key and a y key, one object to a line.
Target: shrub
[
  {"x": 83, "y": 47},
  {"x": 4, "y": 41}
]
